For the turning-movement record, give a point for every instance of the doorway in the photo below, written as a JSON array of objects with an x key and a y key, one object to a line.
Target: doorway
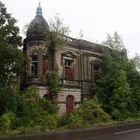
[{"x": 69, "y": 104}]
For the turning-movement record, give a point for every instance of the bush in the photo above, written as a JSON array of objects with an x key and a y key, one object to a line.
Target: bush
[
  {"x": 6, "y": 121},
  {"x": 93, "y": 112},
  {"x": 50, "y": 107},
  {"x": 33, "y": 111},
  {"x": 75, "y": 120},
  {"x": 89, "y": 112},
  {"x": 50, "y": 121},
  {"x": 7, "y": 100}
]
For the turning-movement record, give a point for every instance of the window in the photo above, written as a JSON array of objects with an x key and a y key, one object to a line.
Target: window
[
  {"x": 34, "y": 65},
  {"x": 95, "y": 71},
  {"x": 68, "y": 69},
  {"x": 96, "y": 67},
  {"x": 44, "y": 64},
  {"x": 68, "y": 64}
]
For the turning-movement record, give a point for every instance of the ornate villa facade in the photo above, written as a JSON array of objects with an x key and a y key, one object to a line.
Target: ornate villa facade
[{"x": 78, "y": 64}]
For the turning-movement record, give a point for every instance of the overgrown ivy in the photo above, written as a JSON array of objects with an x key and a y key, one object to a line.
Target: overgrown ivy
[{"x": 52, "y": 83}]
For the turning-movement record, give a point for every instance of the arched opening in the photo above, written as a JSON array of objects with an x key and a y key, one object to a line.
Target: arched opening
[
  {"x": 69, "y": 104},
  {"x": 46, "y": 96}
]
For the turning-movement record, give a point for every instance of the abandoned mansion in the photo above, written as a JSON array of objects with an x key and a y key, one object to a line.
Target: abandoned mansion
[{"x": 78, "y": 65}]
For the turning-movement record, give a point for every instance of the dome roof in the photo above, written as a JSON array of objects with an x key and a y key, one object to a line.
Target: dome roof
[{"x": 38, "y": 24}]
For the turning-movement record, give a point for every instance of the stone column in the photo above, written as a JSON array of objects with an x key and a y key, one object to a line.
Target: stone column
[
  {"x": 84, "y": 68},
  {"x": 73, "y": 70},
  {"x": 89, "y": 70},
  {"x": 63, "y": 74},
  {"x": 76, "y": 68}
]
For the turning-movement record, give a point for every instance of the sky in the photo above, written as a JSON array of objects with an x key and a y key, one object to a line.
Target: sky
[{"x": 95, "y": 18}]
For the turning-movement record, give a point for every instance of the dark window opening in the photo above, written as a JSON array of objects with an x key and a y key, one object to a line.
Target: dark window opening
[
  {"x": 34, "y": 65},
  {"x": 68, "y": 64},
  {"x": 96, "y": 68},
  {"x": 95, "y": 72}
]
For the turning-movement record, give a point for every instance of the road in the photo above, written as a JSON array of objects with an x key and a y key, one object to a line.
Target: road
[
  {"x": 133, "y": 134},
  {"x": 129, "y": 131}
]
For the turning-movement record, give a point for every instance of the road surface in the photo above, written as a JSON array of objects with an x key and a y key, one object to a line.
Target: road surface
[
  {"x": 121, "y": 132},
  {"x": 133, "y": 134}
]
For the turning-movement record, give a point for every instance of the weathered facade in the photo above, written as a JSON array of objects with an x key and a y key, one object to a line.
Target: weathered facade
[{"x": 78, "y": 65}]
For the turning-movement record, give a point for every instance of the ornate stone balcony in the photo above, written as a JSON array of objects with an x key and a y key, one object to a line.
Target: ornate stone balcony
[
  {"x": 34, "y": 80},
  {"x": 70, "y": 83}
]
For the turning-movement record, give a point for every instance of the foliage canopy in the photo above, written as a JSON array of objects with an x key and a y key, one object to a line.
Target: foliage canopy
[{"x": 11, "y": 57}]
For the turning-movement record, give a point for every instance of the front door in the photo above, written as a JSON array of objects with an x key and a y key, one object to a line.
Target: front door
[{"x": 69, "y": 104}]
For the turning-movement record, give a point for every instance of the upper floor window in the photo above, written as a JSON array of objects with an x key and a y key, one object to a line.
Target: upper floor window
[
  {"x": 96, "y": 68},
  {"x": 69, "y": 69},
  {"x": 44, "y": 64},
  {"x": 34, "y": 65},
  {"x": 68, "y": 64},
  {"x": 95, "y": 71}
]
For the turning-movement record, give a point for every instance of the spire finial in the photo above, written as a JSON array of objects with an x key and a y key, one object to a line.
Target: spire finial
[
  {"x": 39, "y": 10},
  {"x": 39, "y": 2}
]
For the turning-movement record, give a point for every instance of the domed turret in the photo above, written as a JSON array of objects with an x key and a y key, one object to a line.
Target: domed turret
[{"x": 38, "y": 25}]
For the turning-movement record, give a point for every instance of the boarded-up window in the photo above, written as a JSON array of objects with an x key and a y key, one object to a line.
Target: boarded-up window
[
  {"x": 45, "y": 65},
  {"x": 68, "y": 69}
]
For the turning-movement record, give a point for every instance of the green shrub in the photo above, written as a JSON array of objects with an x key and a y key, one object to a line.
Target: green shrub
[
  {"x": 75, "y": 120},
  {"x": 7, "y": 100},
  {"x": 33, "y": 111},
  {"x": 50, "y": 121},
  {"x": 6, "y": 121},
  {"x": 89, "y": 112},
  {"x": 50, "y": 107},
  {"x": 22, "y": 122}
]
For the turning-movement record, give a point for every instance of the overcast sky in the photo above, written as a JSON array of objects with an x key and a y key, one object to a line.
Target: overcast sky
[{"x": 95, "y": 18}]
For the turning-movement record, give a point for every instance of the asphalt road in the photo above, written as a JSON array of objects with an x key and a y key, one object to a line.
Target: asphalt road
[
  {"x": 129, "y": 131},
  {"x": 133, "y": 134}
]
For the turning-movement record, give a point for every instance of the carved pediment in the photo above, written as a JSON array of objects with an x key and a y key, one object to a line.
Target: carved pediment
[
  {"x": 69, "y": 54},
  {"x": 95, "y": 60}
]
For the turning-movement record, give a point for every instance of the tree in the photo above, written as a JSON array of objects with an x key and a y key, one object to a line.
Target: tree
[
  {"x": 58, "y": 32},
  {"x": 114, "y": 42},
  {"x": 114, "y": 88},
  {"x": 136, "y": 60},
  {"x": 11, "y": 57},
  {"x": 57, "y": 38},
  {"x": 80, "y": 34},
  {"x": 133, "y": 78},
  {"x": 11, "y": 60}
]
